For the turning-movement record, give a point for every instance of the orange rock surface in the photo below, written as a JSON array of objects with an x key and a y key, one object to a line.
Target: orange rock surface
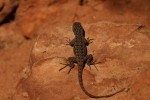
[
  {"x": 121, "y": 33},
  {"x": 121, "y": 48}
]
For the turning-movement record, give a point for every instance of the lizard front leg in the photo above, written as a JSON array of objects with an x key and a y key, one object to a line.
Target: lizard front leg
[
  {"x": 88, "y": 41},
  {"x": 71, "y": 43},
  {"x": 70, "y": 63}
]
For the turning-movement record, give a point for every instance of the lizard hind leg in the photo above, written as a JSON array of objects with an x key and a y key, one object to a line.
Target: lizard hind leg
[
  {"x": 90, "y": 61},
  {"x": 70, "y": 63}
]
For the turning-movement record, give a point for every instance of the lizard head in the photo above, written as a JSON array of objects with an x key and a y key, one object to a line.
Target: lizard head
[{"x": 78, "y": 29}]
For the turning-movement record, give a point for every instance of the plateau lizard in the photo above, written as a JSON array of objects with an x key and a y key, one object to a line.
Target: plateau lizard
[{"x": 79, "y": 44}]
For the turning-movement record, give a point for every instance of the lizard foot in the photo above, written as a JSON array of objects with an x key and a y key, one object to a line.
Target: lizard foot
[
  {"x": 64, "y": 66},
  {"x": 89, "y": 40},
  {"x": 70, "y": 63},
  {"x": 71, "y": 67},
  {"x": 68, "y": 41},
  {"x": 93, "y": 63},
  {"x": 90, "y": 61}
]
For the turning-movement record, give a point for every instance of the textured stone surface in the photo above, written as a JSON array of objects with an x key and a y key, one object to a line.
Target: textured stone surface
[
  {"x": 13, "y": 58},
  {"x": 123, "y": 50},
  {"x": 32, "y": 14}
]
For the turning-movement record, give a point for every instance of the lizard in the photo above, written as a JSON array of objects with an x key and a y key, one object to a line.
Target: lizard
[{"x": 79, "y": 44}]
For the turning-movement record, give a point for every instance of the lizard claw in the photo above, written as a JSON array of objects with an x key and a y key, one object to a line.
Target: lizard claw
[
  {"x": 63, "y": 67},
  {"x": 94, "y": 63},
  {"x": 89, "y": 67},
  {"x": 68, "y": 42},
  {"x": 95, "y": 67},
  {"x": 70, "y": 70},
  {"x": 89, "y": 40}
]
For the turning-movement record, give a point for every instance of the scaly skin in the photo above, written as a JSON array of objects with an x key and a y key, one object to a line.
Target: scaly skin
[{"x": 79, "y": 44}]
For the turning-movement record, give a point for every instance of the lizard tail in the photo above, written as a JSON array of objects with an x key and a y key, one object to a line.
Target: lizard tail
[{"x": 87, "y": 93}]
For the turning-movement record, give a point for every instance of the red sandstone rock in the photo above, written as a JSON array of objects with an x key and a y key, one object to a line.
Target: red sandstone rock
[{"x": 122, "y": 49}]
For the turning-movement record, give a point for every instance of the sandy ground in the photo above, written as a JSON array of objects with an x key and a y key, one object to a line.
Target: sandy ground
[{"x": 121, "y": 43}]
